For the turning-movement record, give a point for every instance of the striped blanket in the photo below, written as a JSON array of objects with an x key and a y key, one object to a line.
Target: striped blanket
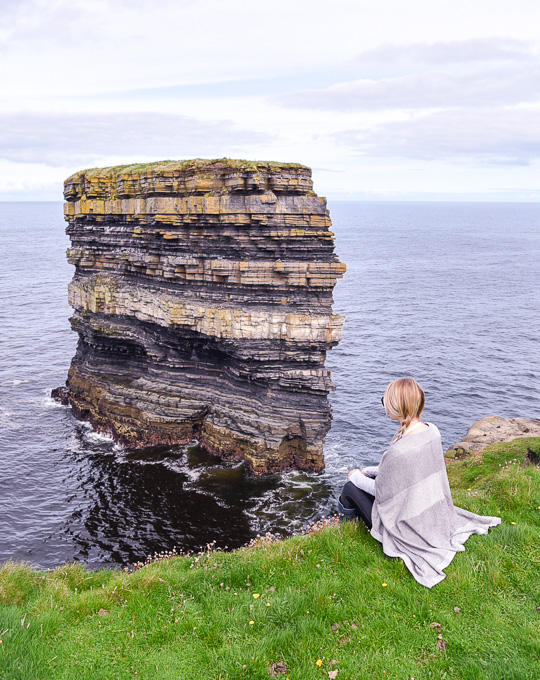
[{"x": 414, "y": 516}]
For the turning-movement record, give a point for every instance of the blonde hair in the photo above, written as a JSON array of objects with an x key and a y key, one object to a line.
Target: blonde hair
[{"x": 404, "y": 400}]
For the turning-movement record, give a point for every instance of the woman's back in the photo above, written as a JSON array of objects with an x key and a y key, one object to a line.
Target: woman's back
[{"x": 409, "y": 506}]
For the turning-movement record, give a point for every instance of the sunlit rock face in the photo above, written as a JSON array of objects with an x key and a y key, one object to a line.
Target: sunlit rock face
[{"x": 203, "y": 303}]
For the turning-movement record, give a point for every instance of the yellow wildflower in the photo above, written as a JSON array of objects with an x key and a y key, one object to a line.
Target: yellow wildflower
[{"x": 319, "y": 662}]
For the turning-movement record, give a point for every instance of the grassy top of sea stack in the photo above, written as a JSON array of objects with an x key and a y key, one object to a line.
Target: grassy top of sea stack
[
  {"x": 198, "y": 165},
  {"x": 323, "y": 605}
]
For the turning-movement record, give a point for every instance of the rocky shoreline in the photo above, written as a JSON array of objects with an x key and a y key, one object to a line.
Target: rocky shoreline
[{"x": 492, "y": 430}]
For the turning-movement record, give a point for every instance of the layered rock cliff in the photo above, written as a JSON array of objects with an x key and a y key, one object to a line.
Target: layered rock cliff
[{"x": 203, "y": 303}]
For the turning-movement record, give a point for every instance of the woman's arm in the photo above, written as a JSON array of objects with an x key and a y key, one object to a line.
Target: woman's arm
[{"x": 362, "y": 481}]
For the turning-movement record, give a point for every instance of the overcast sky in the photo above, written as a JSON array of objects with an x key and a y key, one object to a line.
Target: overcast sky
[{"x": 384, "y": 99}]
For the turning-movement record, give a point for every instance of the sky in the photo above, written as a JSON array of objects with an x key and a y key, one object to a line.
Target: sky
[{"x": 383, "y": 99}]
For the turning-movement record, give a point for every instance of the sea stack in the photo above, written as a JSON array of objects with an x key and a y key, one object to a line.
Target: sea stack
[{"x": 203, "y": 303}]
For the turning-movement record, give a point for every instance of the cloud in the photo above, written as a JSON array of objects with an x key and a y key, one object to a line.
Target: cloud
[
  {"x": 503, "y": 137},
  {"x": 51, "y": 47},
  {"x": 451, "y": 52},
  {"x": 474, "y": 72},
  {"x": 67, "y": 139},
  {"x": 433, "y": 89},
  {"x": 31, "y": 24},
  {"x": 71, "y": 21}
]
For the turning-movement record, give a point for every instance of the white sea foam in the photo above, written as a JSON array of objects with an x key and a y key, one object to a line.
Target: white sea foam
[
  {"x": 5, "y": 415},
  {"x": 49, "y": 402},
  {"x": 99, "y": 436},
  {"x": 193, "y": 474},
  {"x": 90, "y": 434}
]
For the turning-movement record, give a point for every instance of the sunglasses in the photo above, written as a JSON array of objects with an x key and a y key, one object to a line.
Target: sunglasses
[{"x": 382, "y": 401}]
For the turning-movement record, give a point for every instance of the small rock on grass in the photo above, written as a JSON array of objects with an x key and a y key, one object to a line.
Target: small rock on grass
[
  {"x": 102, "y": 612},
  {"x": 277, "y": 668},
  {"x": 333, "y": 674},
  {"x": 441, "y": 644}
]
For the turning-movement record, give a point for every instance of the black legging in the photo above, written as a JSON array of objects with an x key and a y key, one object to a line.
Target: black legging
[{"x": 353, "y": 497}]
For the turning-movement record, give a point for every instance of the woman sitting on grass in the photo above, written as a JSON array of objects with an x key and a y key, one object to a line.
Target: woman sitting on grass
[{"x": 405, "y": 500}]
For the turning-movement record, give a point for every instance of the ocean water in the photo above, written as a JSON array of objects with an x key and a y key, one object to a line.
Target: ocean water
[{"x": 445, "y": 292}]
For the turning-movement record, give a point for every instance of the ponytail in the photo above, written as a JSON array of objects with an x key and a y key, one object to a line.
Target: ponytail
[{"x": 404, "y": 400}]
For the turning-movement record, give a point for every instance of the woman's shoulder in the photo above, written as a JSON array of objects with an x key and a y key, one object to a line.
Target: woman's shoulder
[
  {"x": 433, "y": 429},
  {"x": 417, "y": 439}
]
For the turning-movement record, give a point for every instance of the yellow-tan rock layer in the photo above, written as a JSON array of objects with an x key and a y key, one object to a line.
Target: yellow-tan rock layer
[{"x": 110, "y": 296}]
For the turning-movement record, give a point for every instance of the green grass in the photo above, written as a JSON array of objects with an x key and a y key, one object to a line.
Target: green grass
[
  {"x": 198, "y": 164},
  {"x": 320, "y": 598}
]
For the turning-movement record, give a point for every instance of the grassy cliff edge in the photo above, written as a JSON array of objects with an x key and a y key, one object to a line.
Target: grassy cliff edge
[{"x": 327, "y": 604}]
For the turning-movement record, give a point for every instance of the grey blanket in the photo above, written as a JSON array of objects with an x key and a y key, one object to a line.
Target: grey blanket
[{"x": 413, "y": 515}]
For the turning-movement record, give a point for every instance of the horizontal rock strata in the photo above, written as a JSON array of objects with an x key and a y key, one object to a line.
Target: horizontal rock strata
[{"x": 203, "y": 303}]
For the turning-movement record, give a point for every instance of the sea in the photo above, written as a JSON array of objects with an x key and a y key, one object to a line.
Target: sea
[{"x": 448, "y": 293}]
